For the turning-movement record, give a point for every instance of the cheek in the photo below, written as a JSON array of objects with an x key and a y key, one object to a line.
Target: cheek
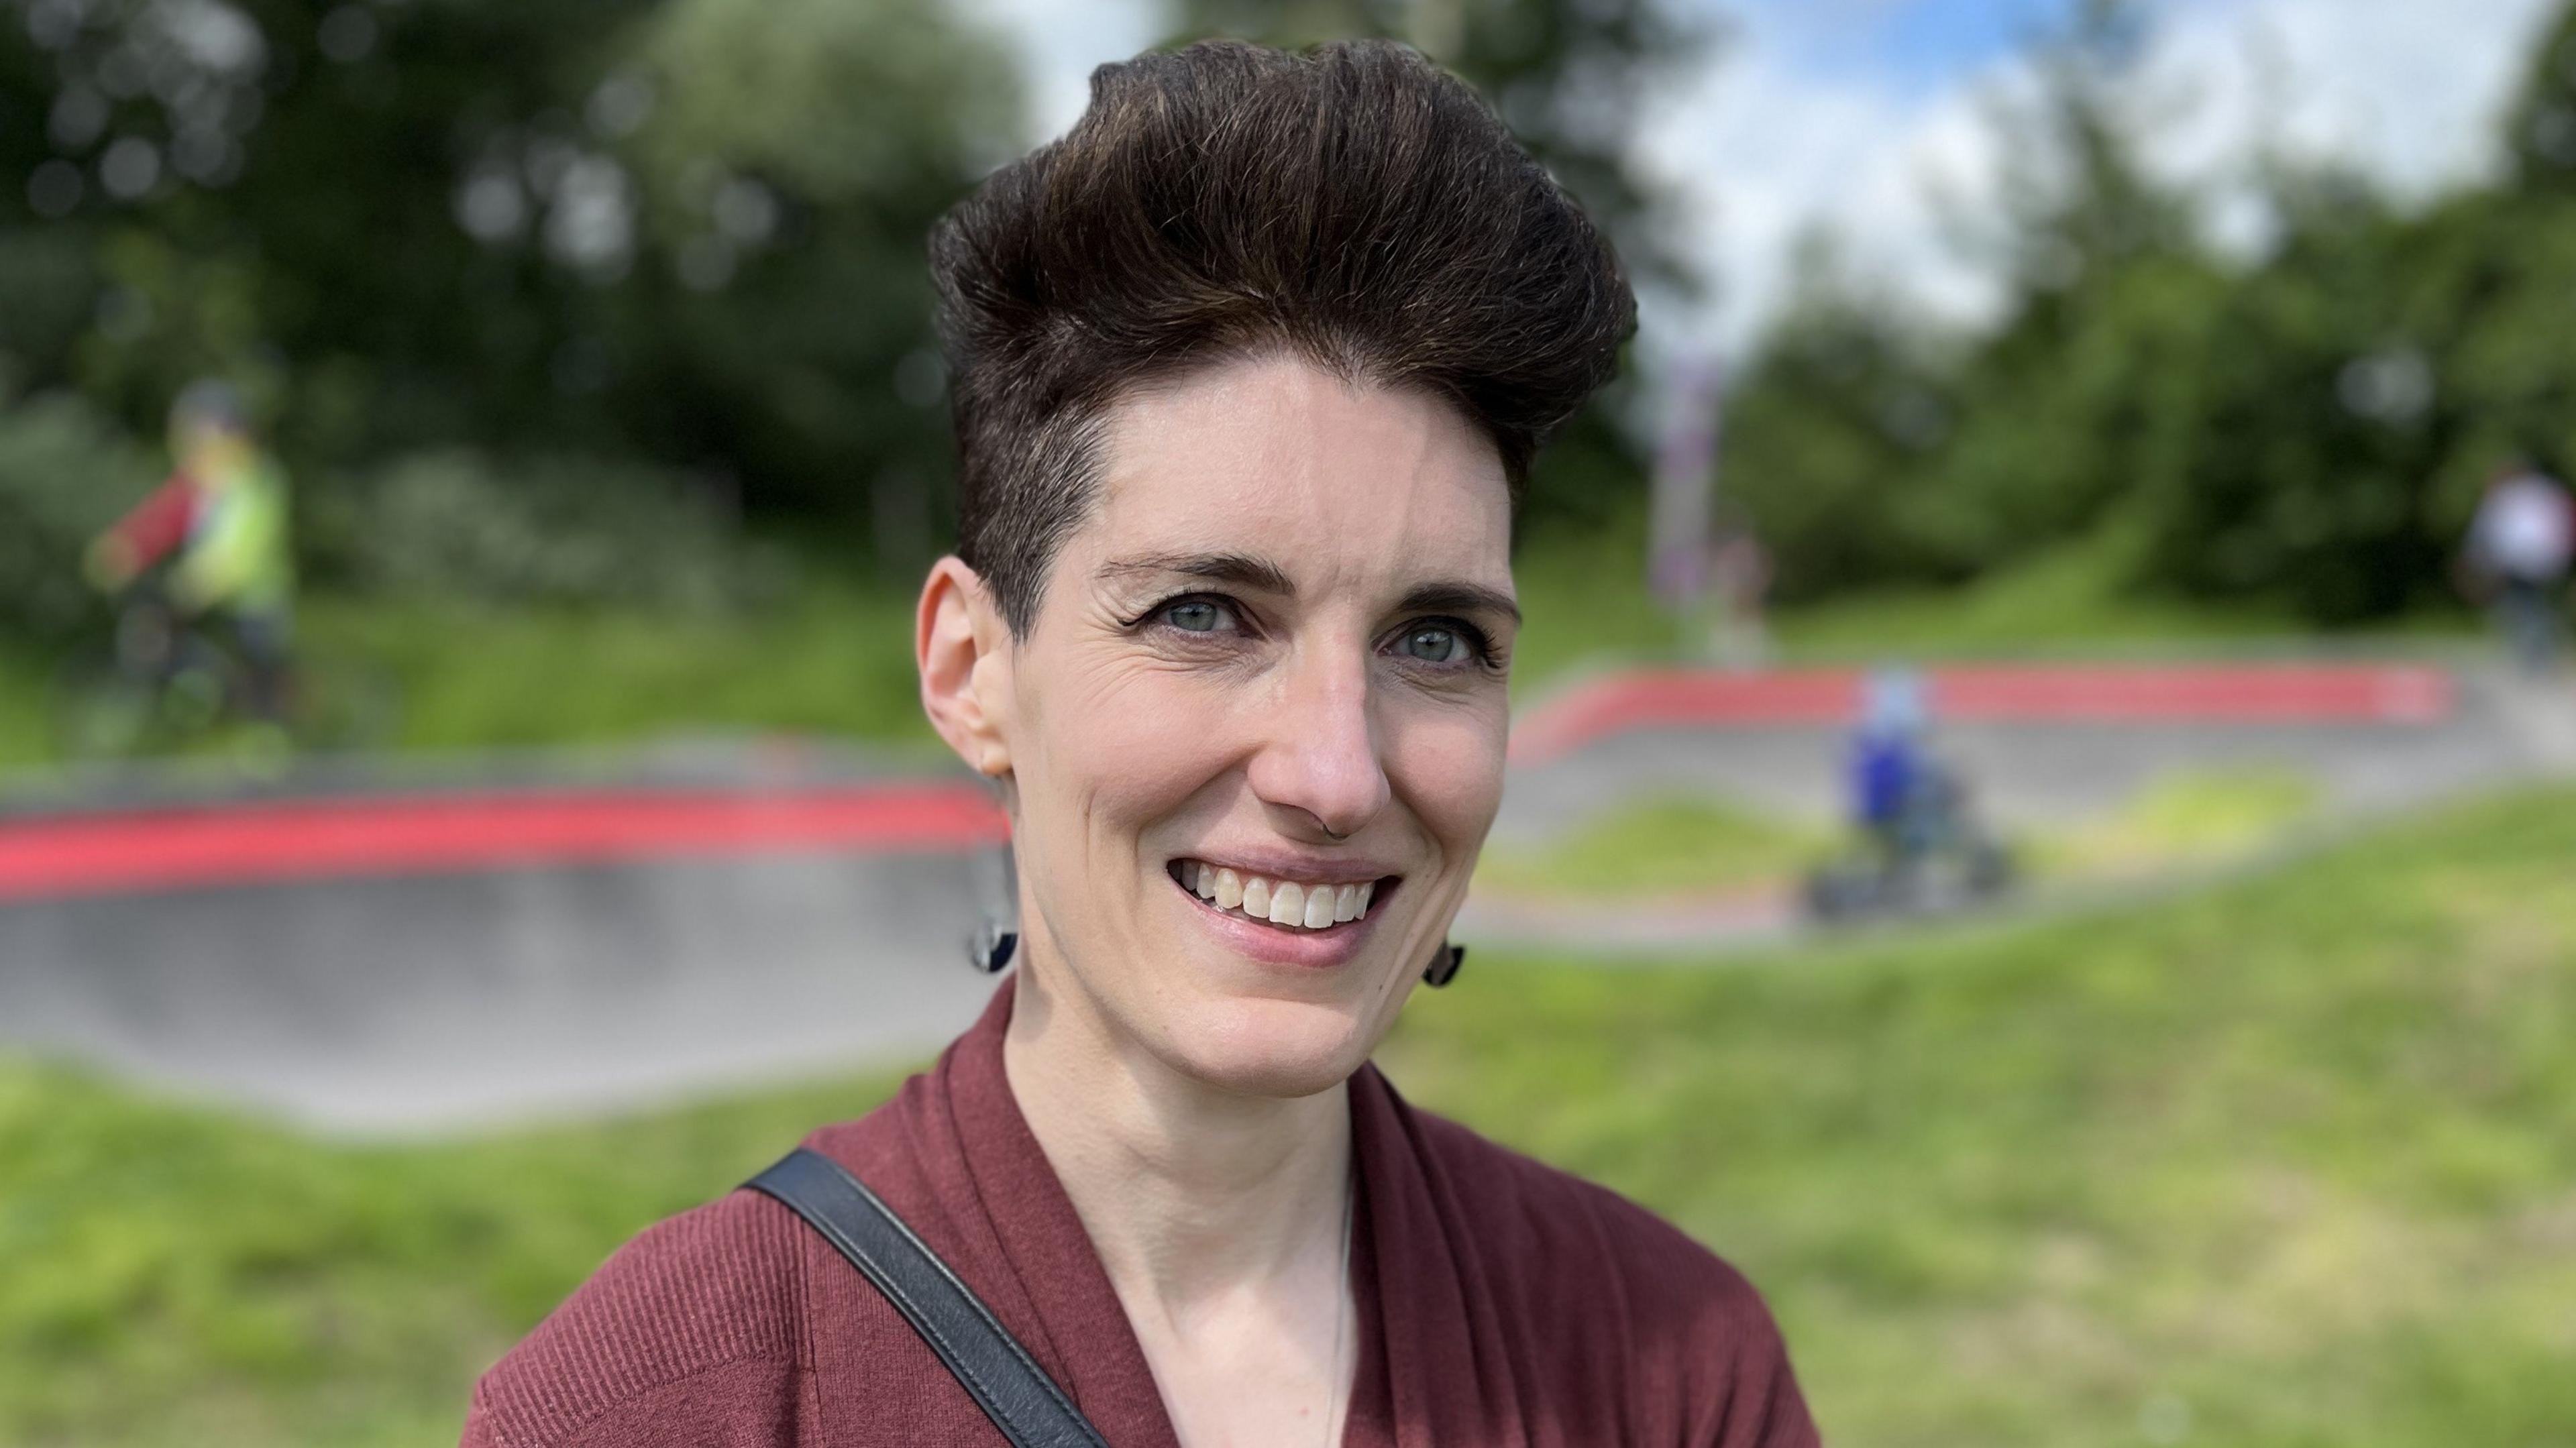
[
  {"x": 1447, "y": 766},
  {"x": 1130, "y": 745}
]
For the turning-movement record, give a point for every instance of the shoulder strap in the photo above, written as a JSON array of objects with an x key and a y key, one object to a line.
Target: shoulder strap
[{"x": 1003, "y": 1379}]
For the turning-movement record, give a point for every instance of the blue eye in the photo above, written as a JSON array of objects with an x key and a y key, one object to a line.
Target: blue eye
[
  {"x": 1432, "y": 644},
  {"x": 1197, "y": 615}
]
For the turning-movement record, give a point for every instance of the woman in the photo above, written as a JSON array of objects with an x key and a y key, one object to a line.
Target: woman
[{"x": 1248, "y": 370}]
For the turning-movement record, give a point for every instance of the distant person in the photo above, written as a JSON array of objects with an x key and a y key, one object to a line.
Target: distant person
[
  {"x": 1741, "y": 572},
  {"x": 1249, "y": 369},
  {"x": 224, "y": 513},
  {"x": 2519, "y": 547},
  {"x": 1891, "y": 765},
  {"x": 1920, "y": 845}
]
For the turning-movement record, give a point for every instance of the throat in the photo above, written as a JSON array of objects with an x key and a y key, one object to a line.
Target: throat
[{"x": 1268, "y": 1363}]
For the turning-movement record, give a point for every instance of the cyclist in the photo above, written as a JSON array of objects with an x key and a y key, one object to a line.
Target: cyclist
[
  {"x": 1890, "y": 767},
  {"x": 225, "y": 513}
]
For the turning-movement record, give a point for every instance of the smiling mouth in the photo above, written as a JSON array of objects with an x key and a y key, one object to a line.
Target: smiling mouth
[{"x": 1286, "y": 904}]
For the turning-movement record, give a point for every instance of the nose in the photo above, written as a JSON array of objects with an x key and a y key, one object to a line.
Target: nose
[{"x": 1319, "y": 758}]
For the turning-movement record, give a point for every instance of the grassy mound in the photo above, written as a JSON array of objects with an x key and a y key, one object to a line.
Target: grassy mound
[
  {"x": 2292, "y": 1162},
  {"x": 1668, "y": 845}
]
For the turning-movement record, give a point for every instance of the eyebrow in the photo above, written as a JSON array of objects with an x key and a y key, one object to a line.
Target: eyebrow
[
  {"x": 1236, "y": 568},
  {"x": 1438, "y": 596},
  {"x": 1453, "y": 597}
]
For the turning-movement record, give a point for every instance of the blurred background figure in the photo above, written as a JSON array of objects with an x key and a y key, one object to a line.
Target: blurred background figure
[
  {"x": 1740, "y": 572},
  {"x": 1891, "y": 763},
  {"x": 1682, "y": 549},
  {"x": 1921, "y": 845},
  {"x": 223, "y": 523},
  {"x": 2517, "y": 555}
]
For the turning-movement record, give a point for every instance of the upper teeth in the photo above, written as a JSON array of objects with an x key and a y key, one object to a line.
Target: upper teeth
[{"x": 1281, "y": 902}]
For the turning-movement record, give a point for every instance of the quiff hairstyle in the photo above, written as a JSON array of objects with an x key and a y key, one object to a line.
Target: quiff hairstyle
[{"x": 1351, "y": 205}]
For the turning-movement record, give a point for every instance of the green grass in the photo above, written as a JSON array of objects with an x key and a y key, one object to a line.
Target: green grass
[
  {"x": 1675, "y": 846},
  {"x": 2062, "y": 602},
  {"x": 1587, "y": 604},
  {"x": 2292, "y": 1162},
  {"x": 1664, "y": 846},
  {"x": 838, "y": 661},
  {"x": 177, "y": 1276},
  {"x": 2190, "y": 816}
]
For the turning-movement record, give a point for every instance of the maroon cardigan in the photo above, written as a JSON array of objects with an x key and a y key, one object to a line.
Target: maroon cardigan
[{"x": 1500, "y": 1303}]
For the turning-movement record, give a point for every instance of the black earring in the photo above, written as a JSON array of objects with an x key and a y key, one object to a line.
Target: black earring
[
  {"x": 1444, "y": 966},
  {"x": 996, "y": 886},
  {"x": 990, "y": 950}
]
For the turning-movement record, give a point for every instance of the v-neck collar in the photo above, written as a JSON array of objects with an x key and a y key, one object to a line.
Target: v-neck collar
[{"x": 1029, "y": 1219}]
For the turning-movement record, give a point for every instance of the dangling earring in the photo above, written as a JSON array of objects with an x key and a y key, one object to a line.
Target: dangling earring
[
  {"x": 994, "y": 942},
  {"x": 1444, "y": 966},
  {"x": 991, "y": 949}
]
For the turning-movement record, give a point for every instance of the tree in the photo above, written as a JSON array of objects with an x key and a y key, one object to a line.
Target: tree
[
  {"x": 2540, "y": 127},
  {"x": 689, "y": 229}
]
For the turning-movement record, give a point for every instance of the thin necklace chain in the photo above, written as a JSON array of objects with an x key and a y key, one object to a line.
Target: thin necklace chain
[{"x": 1342, "y": 1298}]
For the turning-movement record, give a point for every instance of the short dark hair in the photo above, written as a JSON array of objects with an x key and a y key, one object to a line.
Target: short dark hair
[{"x": 1352, "y": 204}]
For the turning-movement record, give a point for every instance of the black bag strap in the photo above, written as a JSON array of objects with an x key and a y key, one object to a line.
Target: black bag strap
[{"x": 997, "y": 1372}]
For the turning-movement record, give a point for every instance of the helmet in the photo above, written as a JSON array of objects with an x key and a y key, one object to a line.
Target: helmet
[
  {"x": 1894, "y": 703},
  {"x": 209, "y": 404}
]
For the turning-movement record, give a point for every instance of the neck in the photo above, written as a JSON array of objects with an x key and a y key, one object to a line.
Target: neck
[{"x": 1188, "y": 1193}]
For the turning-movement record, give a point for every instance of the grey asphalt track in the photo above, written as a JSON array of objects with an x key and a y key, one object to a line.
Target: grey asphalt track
[
  {"x": 376, "y": 1005},
  {"x": 447, "y": 1001}
]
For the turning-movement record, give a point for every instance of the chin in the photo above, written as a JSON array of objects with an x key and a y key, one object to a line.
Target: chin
[{"x": 1264, "y": 1046}]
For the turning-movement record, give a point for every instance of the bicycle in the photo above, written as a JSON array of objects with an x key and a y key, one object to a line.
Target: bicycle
[{"x": 166, "y": 682}]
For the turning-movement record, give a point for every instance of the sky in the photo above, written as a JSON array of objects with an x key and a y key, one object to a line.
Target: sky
[{"x": 1871, "y": 119}]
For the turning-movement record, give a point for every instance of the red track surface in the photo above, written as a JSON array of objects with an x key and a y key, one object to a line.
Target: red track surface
[
  {"x": 2276, "y": 694},
  {"x": 240, "y": 844},
  {"x": 47, "y": 857}
]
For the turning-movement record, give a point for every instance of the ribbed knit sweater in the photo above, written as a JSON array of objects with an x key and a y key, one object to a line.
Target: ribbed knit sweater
[{"x": 1500, "y": 1302}]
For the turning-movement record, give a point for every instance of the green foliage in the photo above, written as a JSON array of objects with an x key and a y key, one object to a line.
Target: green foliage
[
  {"x": 2288, "y": 1160},
  {"x": 459, "y": 529},
  {"x": 685, "y": 230},
  {"x": 2306, "y": 432},
  {"x": 65, "y": 473},
  {"x": 1844, "y": 402},
  {"x": 2540, "y": 131}
]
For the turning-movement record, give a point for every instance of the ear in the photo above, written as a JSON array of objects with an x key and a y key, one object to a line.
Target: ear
[{"x": 962, "y": 646}]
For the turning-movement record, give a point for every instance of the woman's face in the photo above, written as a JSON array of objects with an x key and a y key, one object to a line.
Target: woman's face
[{"x": 1274, "y": 656}]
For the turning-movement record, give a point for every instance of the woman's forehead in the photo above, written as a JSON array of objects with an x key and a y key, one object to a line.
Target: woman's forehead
[{"x": 1274, "y": 458}]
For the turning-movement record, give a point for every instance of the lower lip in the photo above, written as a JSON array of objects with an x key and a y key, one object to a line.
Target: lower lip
[{"x": 1280, "y": 945}]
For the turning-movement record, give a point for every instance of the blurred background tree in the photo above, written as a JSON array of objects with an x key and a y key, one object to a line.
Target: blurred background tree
[
  {"x": 679, "y": 236},
  {"x": 507, "y": 279},
  {"x": 2308, "y": 427}
]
